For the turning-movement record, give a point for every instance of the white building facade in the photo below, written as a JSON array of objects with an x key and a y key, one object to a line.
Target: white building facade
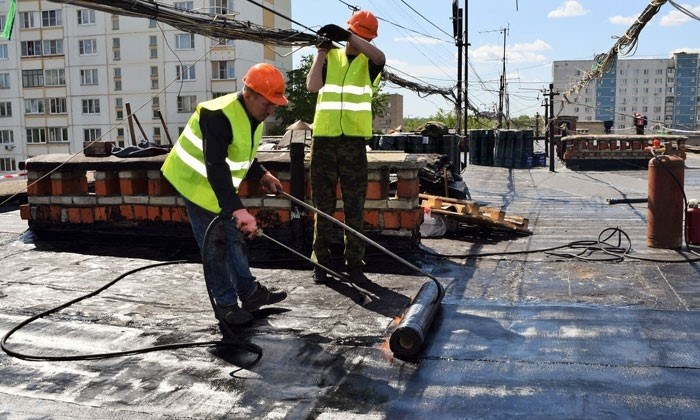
[
  {"x": 665, "y": 90},
  {"x": 68, "y": 74}
]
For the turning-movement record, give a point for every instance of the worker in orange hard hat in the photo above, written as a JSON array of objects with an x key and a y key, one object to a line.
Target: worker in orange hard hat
[
  {"x": 213, "y": 155},
  {"x": 345, "y": 79}
]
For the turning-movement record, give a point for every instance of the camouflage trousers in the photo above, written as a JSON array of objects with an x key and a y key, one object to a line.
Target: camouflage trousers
[{"x": 339, "y": 159}]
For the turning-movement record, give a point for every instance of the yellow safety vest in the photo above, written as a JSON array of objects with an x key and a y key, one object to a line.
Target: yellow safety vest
[
  {"x": 184, "y": 167},
  {"x": 344, "y": 104}
]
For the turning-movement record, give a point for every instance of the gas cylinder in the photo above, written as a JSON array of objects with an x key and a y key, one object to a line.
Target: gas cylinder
[
  {"x": 665, "y": 206},
  {"x": 692, "y": 223}
]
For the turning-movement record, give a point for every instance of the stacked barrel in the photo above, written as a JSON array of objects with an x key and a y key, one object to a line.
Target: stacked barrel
[
  {"x": 505, "y": 148},
  {"x": 447, "y": 144}
]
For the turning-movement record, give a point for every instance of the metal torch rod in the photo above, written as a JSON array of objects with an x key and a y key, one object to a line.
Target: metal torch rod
[{"x": 358, "y": 234}]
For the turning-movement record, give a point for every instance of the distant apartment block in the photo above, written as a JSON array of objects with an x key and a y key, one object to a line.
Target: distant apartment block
[
  {"x": 68, "y": 73},
  {"x": 665, "y": 90},
  {"x": 393, "y": 115}
]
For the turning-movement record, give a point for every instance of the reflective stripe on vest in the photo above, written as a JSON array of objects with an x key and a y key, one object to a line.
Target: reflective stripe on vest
[
  {"x": 344, "y": 104},
  {"x": 184, "y": 167}
]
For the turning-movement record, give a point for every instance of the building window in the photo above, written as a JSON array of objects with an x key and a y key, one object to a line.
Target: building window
[
  {"x": 5, "y": 109},
  {"x": 87, "y": 46},
  {"x": 154, "y": 77},
  {"x": 153, "y": 46},
  {"x": 223, "y": 70},
  {"x": 8, "y": 165},
  {"x": 222, "y": 7},
  {"x": 92, "y": 134},
  {"x": 88, "y": 77},
  {"x": 4, "y": 80},
  {"x": 53, "y": 47},
  {"x": 152, "y": 23},
  {"x": 34, "y": 106},
  {"x": 185, "y": 72},
  {"x": 36, "y": 136},
  {"x": 86, "y": 17},
  {"x": 58, "y": 106},
  {"x": 7, "y": 137},
  {"x": 115, "y": 22},
  {"x": 3, "y": 52},
  {"x": 91, "y": 106},
  {"x": 30, "y": 48},
  {"x": 117, "y": 78},
  {"x": 55, "y": 77},
  {"x": 119, "y": 108},
  {"x": 184, "y": 41},
  {"x": 51, "y": 18},
  {"x": 184, "y": 5},
  {"x": 32, "y": 78},
  {"x": 116, "y": 49},
  {"x": 186, "y": 103},
  {"x": 156, "y": 135},
  {"x": 120, "y": 137},
  {"x": 26, "y": 20},
  {"x": 58, "y": 134}
]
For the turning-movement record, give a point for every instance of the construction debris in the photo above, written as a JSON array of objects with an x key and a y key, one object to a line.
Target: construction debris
[{"x": 469, "y": 212}]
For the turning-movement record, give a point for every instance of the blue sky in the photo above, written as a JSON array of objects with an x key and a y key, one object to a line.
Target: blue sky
[{"x": 539, "y": 32}]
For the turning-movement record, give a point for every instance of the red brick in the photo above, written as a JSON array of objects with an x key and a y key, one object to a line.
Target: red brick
[
  {"x": 106, "y": 187},
  {"x": 101, "y": 214},
  {"x": 133, "y": 186},
  {"x": 371, "y": 218},
  {"x": 391, "y": 219},
  {"x": 407, "y": 188},
  {"x": 374, "y": 190},
  {"x": 54, "y": 213},
  {"x": 140, "y": 212},
  {"x": 87, "y": 215},
  {"x": 153, "y": 213},
  {"x": 126, "y": 211},
  {"x": 25, "y": 212},
  {"x": 67, "y": 186},
  {"x": 411, "y": 219},
  {"x": 160, "y": 187},
  {"x": 39, "y": 186},
  {"x": 74, "y": 215}
]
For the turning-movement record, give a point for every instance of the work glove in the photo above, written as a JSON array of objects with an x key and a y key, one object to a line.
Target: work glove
[
  {"x": 325, "y": 44},
  {"x": 334, "y": 32}
]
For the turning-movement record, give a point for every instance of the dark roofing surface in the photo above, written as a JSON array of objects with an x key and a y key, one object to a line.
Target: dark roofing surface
[{"x": 520, "y": 333}]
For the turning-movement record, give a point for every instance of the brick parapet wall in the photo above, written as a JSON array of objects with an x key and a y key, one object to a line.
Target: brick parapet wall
[{"x": 115, "y": 193}]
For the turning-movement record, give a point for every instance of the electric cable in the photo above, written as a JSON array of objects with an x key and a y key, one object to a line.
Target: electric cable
[
  {"x": 586, "y": 248},
  {"x": 228, "y": 341}
]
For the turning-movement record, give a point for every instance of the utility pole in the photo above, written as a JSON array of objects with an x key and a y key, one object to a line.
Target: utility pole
[
  {"x": 502, "y": 89},
  {"x": 551, "y": 126},
  {"x": 457, "y": 33}
]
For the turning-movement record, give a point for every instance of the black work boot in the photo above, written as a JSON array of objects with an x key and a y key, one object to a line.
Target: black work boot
[
  {"x": 319, "y": 275},
  {"x": 357, "y": 276},
  {"x": 231, "y": 318},
  {"x": 262, "y": 296}
]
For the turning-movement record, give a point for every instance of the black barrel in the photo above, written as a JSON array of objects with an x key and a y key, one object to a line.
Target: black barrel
[
  {"x": 399, "y": 142},
  {"x": 414, "y": 144},
  {"x": 386, "y": 143}
]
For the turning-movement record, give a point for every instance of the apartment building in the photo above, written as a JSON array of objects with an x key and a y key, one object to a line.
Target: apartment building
[
  {"x": 665, "y": 90},
  {"x": 68, "y": 74},
  {"x": 393, "y": 115}
]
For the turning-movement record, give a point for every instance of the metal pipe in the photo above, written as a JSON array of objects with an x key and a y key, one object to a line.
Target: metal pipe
[{"x": 408, "y": 337}]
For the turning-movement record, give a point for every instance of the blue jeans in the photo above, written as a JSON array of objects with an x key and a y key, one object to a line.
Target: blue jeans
[{"x": 225, "y": 263}]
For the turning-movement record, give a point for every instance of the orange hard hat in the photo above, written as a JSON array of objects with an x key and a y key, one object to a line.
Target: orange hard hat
[
  {"x": 363, "y": 24},
  {"x": 266, "y": 80}
]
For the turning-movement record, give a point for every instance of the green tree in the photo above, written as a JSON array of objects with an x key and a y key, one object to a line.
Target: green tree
[{"x": 302, "y": 103}]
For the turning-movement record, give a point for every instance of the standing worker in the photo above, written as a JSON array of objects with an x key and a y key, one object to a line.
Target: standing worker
[
  {"x": 640, "y": 121},
  {"x": 214, "y": 153},
  {"x": 345, "y": 80}
]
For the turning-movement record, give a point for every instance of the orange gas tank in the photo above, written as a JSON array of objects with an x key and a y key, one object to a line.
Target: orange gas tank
[{"x": 665, "y": 209}]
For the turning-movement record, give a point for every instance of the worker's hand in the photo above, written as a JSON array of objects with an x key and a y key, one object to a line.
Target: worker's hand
[
  {"x": 270, "y": 183},
  {"x": 325, "y": 45},
  {"x": 245, "y": 222},
  {"x": 334, "y": 32}
]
